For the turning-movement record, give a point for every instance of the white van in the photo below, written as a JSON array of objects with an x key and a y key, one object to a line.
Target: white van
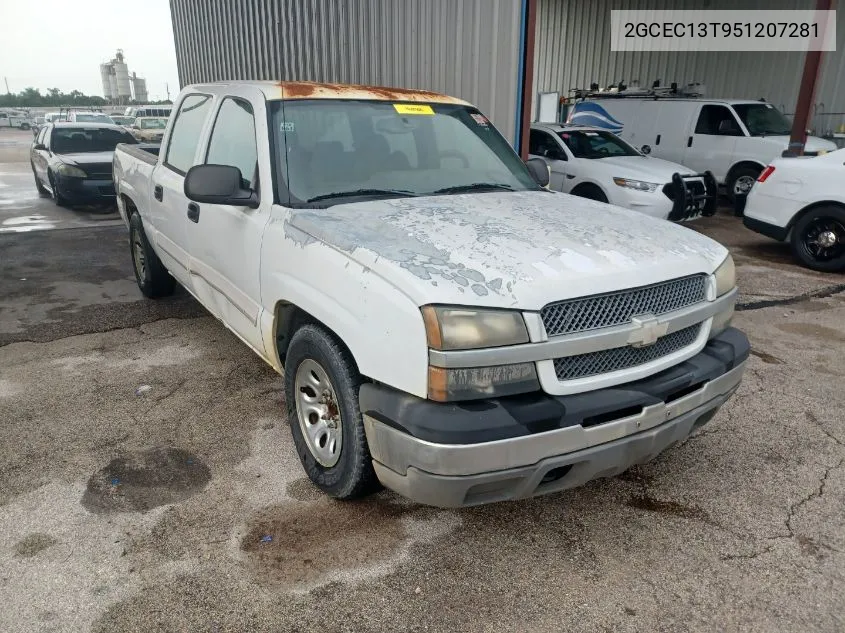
[{"x": 732, "y": 138}]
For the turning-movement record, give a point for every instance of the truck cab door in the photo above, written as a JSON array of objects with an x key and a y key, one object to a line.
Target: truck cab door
[
  {"x": 711, "y": 143},
  {"x": 168, "y": 203},
  {"x": 545, "y": 145},
  {"x": 224, "y": 241}
]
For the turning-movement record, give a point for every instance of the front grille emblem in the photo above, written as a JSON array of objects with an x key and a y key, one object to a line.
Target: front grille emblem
[{"x": 649, "y": 329}]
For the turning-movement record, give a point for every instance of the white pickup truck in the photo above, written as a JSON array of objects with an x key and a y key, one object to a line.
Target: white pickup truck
[{"x": 446, "y": 326}]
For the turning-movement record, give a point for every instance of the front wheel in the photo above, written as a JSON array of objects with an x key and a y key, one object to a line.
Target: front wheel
[
  {"x": 152, "y": 277},
  {"x": 321, "y": 389},
  {"x": 590, "y": 192},
  {"x": 818, "y": 239},
  {"x": 741, "y": 181},
  {"x": 58, "y": 198},
  {"x": 41, "y": 188}
]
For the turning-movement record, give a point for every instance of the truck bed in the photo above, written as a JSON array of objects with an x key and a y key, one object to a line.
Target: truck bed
[{"x": 146, "y": 152}]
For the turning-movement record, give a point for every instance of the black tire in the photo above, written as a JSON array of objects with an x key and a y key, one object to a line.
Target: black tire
[
  {"x": 352, "y": 476},
  {"x": 42, "y": 190},
  {"x": 58, "y": 198},
  {"x": 739, "y": 178},
  {"x": 152, "y": 277},
  {"x": 590, "y": 192},
  {"x": 807, "y": 234}
]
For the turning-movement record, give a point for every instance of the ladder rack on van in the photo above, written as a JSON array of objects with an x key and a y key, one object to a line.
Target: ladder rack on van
[{"x": 623, "y": 91}]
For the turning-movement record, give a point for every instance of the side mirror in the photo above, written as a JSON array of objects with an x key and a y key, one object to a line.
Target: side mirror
[
  {"x": 218, "y": 184},
  {"x": 539, "y": 170},
  {"x": 39, "y": 146},
  {"x": 727, "y": 127},
  {"x": 646, "y": 149}
]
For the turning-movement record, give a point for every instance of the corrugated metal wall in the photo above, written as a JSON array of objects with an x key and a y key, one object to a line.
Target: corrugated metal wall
[
  {"x": 465, "y": 48},
  {"x": 573, "y": 50}
]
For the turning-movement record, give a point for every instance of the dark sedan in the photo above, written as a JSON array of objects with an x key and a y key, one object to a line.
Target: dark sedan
[{"x": 73, "y": 161}]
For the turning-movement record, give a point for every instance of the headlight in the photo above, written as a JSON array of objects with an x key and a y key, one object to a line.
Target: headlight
[
  {"x": 725, "y": 276},
  {"x": 639, "y": 185},
  {"x": 452, "y": 328},
  {"x": 71, "y": 171}
]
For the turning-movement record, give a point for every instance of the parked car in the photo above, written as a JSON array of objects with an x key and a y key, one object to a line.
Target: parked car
[
  {"x": 445, "y": 325},
  {"x": 123, "y": 121},
  {"x": 88, "y": 117},
  {"x": 802, "y": 201},
  {"x": 73, "y": 161},
  {"x": 597, "y": 164},
  {"x": 149, "y": 129},
  {"x": 732, "y": 138}
]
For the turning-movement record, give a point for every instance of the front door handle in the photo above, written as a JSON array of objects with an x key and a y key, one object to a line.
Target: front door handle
[
  {"x": 158, "y": 192},
  {"x": 194, "y": 212},
  {"x": 689, "y": 142},
  {"x": 570, "y": 176}
]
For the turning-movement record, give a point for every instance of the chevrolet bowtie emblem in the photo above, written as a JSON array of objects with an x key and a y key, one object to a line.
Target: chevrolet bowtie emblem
[{"x": 648, "y": 330}]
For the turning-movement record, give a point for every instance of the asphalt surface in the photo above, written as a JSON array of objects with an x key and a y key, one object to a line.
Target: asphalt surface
[{"x": 148, "y": 480}]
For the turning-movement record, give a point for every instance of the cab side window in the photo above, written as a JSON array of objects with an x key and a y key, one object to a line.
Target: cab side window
[
  {"x": 185, "y": 136},
  {"x": 713, "y": 117},
  {"x": 542, "y": 144},
  {"x": 42, "y": 135},
  {"x": 233, "y": 140}
]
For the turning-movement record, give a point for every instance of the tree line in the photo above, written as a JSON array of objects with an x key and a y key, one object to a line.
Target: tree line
[{"x": 33, "y": 98}]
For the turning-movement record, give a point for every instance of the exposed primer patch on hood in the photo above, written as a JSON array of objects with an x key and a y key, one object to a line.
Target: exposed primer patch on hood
[{"x": 488, "y": 243}]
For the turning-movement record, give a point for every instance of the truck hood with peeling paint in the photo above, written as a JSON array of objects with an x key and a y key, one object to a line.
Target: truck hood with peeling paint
[{"x": 514, "y": 250}]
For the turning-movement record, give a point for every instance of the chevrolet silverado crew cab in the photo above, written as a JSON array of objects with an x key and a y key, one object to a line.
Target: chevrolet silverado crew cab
[{"x": 446, "y": 326}]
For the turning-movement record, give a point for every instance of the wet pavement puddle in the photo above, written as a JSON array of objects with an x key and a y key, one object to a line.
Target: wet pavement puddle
[{"x": 144, "y": 480}]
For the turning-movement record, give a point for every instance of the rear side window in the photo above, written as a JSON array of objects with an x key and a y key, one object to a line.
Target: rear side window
[
  {"x": 233, "y": 139},
  {"x": 185, "y": 135}
]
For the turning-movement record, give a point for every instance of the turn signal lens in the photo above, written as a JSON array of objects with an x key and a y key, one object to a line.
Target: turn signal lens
[{"x": 768, "y": 171}]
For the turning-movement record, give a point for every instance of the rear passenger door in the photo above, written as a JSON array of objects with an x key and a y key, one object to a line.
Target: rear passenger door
[
  {"x": 168, "y": 211},
  {"x": 712, "y": 142},
  {"x": 224, "y": 240}
]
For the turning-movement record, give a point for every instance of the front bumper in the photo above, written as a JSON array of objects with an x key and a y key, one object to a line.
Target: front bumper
[
  {"x": 86, "y": 191},
  {"x": 454, "y": 455}
]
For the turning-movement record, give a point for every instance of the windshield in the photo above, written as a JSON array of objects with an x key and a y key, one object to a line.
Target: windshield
[
  {"x": 73, "y": 140},
  {"x": 371, "y": 149},
  {"x": 153, "y": 124},
  {"x": 596, "y": 144},
  {"x": 763, "y": 118}
]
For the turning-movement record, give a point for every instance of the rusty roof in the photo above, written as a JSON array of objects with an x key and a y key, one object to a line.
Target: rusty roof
[{"x": 314, "y": 90}]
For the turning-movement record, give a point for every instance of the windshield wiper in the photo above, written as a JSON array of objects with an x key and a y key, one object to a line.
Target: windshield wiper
[
  {"x": 362, "y": 192},
  {"x": 477, "y": 186}
]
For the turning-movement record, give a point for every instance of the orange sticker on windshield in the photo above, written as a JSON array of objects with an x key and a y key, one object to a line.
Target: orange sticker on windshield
[{"x": 413, "y": 108}]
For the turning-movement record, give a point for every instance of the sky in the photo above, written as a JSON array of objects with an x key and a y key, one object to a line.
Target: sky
[{"x": 61, "y": 44}]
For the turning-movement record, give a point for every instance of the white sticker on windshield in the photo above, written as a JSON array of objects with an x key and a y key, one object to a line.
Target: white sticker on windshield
[
  {"x": 480, "y": 119},
  {"x": 287, "y": 126},
  {"x": 770, "y": 106},
  {"x": 591, "y": 133}
]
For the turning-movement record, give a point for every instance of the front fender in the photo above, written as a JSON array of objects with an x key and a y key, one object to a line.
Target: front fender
[{"x": 380, "y": 325}]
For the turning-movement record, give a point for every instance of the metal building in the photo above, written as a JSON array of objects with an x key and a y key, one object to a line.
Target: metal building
[
  {"x": 465, "y": 48},
  {"x": 573, "y": 50},
  {"x": 476, "y": 50}
]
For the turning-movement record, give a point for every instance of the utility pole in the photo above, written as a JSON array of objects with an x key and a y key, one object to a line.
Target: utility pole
[
  {"x": 167, "y": 88},
  {"x": 6, "y": 79},
  {"x": 812, "y": 66}
]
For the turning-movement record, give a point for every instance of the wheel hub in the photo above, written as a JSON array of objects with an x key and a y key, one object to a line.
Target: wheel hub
[
  {"x": 138, "y": 257},
  {"x": 743, "y": 185},
  {"x": 827, "y": 239},
  {"x": 318, "y": 413}
]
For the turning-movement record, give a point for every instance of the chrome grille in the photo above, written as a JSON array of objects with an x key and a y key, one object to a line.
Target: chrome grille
[
  {"x": 616, "y": 308},
  {"x": 608, "y": 360}
]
